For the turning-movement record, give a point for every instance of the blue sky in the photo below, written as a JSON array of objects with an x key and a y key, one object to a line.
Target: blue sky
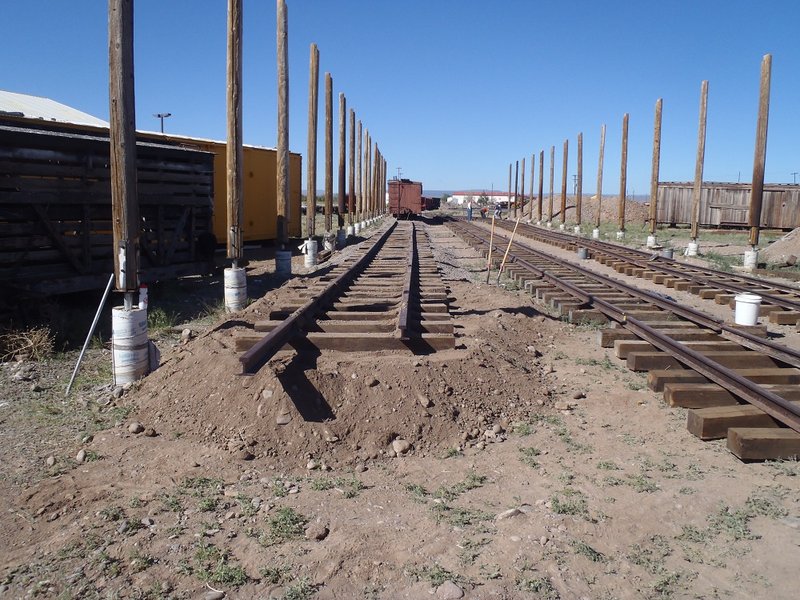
[{"x": 452, "y": 90}]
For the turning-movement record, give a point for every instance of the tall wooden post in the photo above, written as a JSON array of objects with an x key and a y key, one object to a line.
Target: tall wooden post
[
  {"x": 359, "y": 177},
  {"x": 564, "y": 184},
  {"x": 516, "y": 188},
  {"x": 342, "y": 137},
  {"x": 552, "y": 178},
  {"x": 623, "y": 173},
  {"x": 122, "y": 131},
  {"x": 697, "y": 190},
  {"x": 376, "y": 158},
  {"x": 328, "y": 153},
  {"x": 311, "y": 159},
  {"x": 533, "y": 173},
  {"x": 655, "y": 167},
  {"x": 522, "y": 189},
  {"x": 283, "y": 127},
  {"x": 367, "y": 191},
  {"x": 351, "y": 189},
  {"x": 760, "y": 158},
  {"x": 600, "y": 174},
  {"x": 541, "y": 187},
  {"x": 579, "y": 189},
  {"x": 510, "y": 165},
  {"x": 234, "y": 147}
]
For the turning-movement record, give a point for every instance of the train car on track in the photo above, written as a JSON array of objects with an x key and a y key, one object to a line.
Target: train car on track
[{"x": 405, "y": 198}]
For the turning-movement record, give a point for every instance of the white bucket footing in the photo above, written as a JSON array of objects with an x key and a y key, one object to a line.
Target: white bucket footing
[
  {"x": 576, "y": 229},
  {"x": 129, "y": 343},
  {"x": 651, "y": 241},
  {"x": 620, "y": 235},
  {"x": 750, "y": 259},
  {"x": 747, "y": 309},
  {"x": 311, "y": 253},
  {"x": 283, "y": 263},
  {"x": 235, "y": 289},
  {"x": 692, "y": 248},
  {"x": 595, "y": 234}
]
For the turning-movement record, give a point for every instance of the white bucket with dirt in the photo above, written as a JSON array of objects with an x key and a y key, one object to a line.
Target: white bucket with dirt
[
  {"x": 357, "y": 228},
  {"x": 747, "y": 308},
  {"x": 129, "y": 344},
  {"x": 651, "y": 241},
  {"x": 235, "y": 280},
  {"x": 576, "y": 230},
  {"x": 595, "y": 234},
  {"x": 692, "y": 248},
  {"x": 750, "y": 259},
  {"x": 620, "y": 235},
  {"x": 311, "y": 253},
  {"x": 283, "y": 263}
]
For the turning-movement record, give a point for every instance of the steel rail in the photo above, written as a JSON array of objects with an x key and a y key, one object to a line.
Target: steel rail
[
  {"x": 257, "y": 356},
  {"x": 408, "y": 286},
  {"x": 766, "y": 400}
]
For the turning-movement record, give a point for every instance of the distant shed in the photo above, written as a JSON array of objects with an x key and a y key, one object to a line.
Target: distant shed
[{"x": 727, "y": 204}]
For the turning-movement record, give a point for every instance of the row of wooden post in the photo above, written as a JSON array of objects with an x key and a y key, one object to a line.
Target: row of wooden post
[{"x": 756, "y": 195}]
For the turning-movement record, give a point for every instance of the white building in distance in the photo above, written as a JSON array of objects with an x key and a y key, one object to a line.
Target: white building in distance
[{"x": 491, "y": 197}]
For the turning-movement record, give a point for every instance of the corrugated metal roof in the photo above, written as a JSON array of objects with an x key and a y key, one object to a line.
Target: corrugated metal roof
[{"x": 36, "y": 107}]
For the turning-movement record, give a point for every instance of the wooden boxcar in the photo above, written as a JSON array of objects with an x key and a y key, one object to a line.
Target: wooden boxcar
[
  {"x": 727, "y": 205},
  {"x": 55, "y": 209},
  {"x": 405, "y": 198}
]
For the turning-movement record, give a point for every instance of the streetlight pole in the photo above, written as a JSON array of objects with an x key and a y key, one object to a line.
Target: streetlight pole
[
  {"x": 794, "y": 176},
  {"x": 161, "y": 117}
]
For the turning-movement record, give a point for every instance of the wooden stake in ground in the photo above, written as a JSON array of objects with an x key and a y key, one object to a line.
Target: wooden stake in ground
[
  {"x": 234, "y": 147},
  {"x": 623, "y": 173},
  {"x": 489, "y": 259},
  {"x": 757, "y": 192},
  {"x": 600, "y": 174},
  {"x": 541, "y": 187},
  {"x": 342, "y": 136},
  {"x": 282, "y": 178},
  {"x": 328, "y": 153},
  {"x": 508, "y": 248},
  {"x": 579, "y": 183},
  {"x": 697, "y": 190},
  {"x": 516, "y": 187},
  {"x": 522, "y": 189},
  {"x": 311, "y": 159},
  {"x": 359, "y": 177},
  {"x": 564, "y": 184},
  {"x": 351, "y": 193},
  {"x": 655, "y": 167},
  {"x": 530, "y": 195},
  {"x": 552, "y": 177},
  {"x": 122, "y": 136}
]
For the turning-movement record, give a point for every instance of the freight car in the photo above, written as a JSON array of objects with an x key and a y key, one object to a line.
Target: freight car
[
  {"x": 429, "y": 203},
  {"x": 405, "y": 198}
]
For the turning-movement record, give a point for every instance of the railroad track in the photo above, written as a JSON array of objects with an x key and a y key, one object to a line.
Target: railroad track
[
  {"x": 387, "y": 296},
  {"x": 737, "y": 384},
  {"x": 780, "y": 302}
]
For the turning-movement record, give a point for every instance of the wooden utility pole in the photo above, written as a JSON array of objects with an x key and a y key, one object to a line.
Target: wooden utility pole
[
  {"x": 541, "y": 186},
  {"x": 342, "y": 137},
  {"x": 516, "y": 188},
  {"x": 564, "y": 184},
  {"x": 122, "y": 135},
  {"x": 579, "y": 181},
  {"x": 328, "y": 153},
  {"x": 760, "y": 159},
  {"x": 311, "y": 159},
  {"x": 367, "y": 191},
  {"x": 655, "y": 167},
  {"x": 359, "y": 180},
  {"x": 530, "y": 195},
  {"x": 697, "y": 190},
  {"x": 600, "y": 173},
  {"x": 623, "y": 173},
  {"x": 284, "y": 207},
  {"x": 375, "y": 182},
  {"x": 552, "y": 178},
  {"x": 522, "y": 189},
  {"x": 351, "y": 189},
  {"x": 234, "y": 148}
]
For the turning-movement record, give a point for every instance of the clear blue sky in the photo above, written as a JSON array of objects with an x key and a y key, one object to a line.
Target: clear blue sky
[{"x": 452, "y": 90}]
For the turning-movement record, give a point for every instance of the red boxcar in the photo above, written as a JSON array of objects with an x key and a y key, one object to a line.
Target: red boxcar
[{"x": 405, "y": 198}]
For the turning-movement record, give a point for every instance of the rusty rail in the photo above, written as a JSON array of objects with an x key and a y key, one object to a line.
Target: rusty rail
[{"x": 408, "y": 286}]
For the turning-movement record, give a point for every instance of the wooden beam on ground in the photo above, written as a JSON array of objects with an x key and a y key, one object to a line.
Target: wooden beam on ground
[
  {"x": 713, "y": 423},
  {"x": 763, "y": 444}
]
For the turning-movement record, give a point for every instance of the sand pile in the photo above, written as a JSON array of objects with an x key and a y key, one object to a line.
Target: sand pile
[
  {"x": 779, "y": 251},
  {"x": 635, "y": 212}
]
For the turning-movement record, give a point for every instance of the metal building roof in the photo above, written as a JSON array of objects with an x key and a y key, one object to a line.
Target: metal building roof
[{"x": 36, "y": 107}]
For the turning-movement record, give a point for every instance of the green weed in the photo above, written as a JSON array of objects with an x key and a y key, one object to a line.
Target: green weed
[
  {"x": 586, "y": 550},
  {"x": 529, "y": 456}
]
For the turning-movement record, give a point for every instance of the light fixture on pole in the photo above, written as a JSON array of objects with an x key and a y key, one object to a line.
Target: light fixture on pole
[{"x": 161, "y": 117}]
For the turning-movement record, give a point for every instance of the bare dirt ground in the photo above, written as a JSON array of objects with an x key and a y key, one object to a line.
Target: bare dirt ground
[{"x": 525, "y": 463}]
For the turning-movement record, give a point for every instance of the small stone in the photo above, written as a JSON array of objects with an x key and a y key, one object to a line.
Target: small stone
[
  {"x": 123, "y": 527},
  {"x": 36, "y": 387},
  {"x": 148, "y": 522},
  {"x": 370, "y": 381},
  {"x": 497, "y": 429},
  {"x": 424, "y": 401},
  {"x": 186, "y": 335},
  {"x": 267, "y": 393},
  {"x": 87, "y": 438},
  {"x": 150, "y": 432},
  {"x": 117, "y": 393},
  {"x": 507, "y": 514},
  {"x": 578, "y": 395},
  {"x": 245, "y": 455},
  {"x": 543, "y": 540},
  {"x": 360, "y": 468},
  {"x": 515, "y": 538},
  {"x": 283, "y": 419},
  {"x": 316, "y": 531},
  {"x": 331, "y": 438},
  {"x": 548, "y": 368},
  {"x": 449, "y": 591},
  {"x": 213, "y": 595},
  {"x": 136, "y": 427},
  {"x": 401, "y": 446},
  {"x": 312, "y": 464},
  {"x": 51, "y": 460},
  {"x": 80, "y": 456}
]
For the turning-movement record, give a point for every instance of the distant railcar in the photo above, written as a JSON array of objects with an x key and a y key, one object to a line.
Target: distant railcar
[
  {"x": 431, "y": 203},
  {"x": 405, "y": 198}
]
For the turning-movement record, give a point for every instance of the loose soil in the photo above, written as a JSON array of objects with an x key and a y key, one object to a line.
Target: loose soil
[{"x": 537, "y": 467}]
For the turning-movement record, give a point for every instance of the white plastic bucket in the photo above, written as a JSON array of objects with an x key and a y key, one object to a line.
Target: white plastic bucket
[
  {"x": 283, "y": 263},
  {"x": 692, "y": 248},
  {"x": 667, "y": 252},
  {"x": 747, "y": 307},
  {"x": 311, "y": 253},
  {"x": 351, "y": 231},
  {"x": 620, "y": 235},
  {"x": 129, "y": 344},
  {"x": 750, "y": 259},
  {"x": 235, "y": 289},
  {"x": 576, "y": 230},
  {"x": 651, "y": 241},
  {"x": 549, "y": 224},
  {"x": 357, "y": 228},
  {"x": 595, "y": 234},
  {"x": 583, "y": 253},
  {"x": 341, "y": 239},
  {"x": 562, "y": 226},
  {"x": 329, "y": 241}
]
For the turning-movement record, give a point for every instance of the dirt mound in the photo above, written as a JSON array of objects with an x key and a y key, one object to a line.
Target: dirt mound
[
  {"x": 780, "y": 250},
  {"x": 635, "y": 212}
]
